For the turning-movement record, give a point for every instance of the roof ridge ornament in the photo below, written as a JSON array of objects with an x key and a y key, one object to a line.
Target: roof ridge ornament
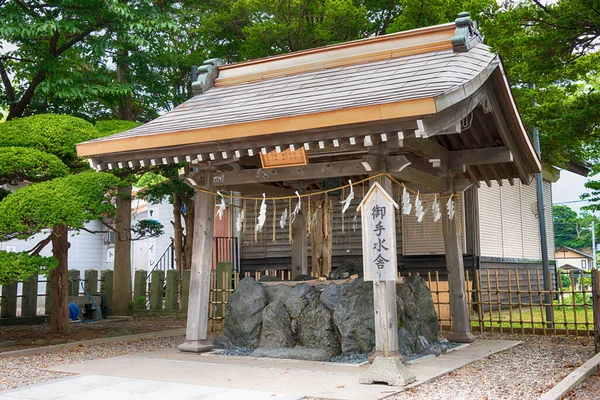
[
  {"x": 467, "y": 34},
  {"x": 207, "y": 74}
]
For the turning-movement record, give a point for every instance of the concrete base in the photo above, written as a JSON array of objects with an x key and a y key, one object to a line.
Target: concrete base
[
  {"x": 195, "y": 346},
  {"x": 393, "y": 354},
  {"x": 387, "y": 370},
  {"x": 461, "y": 337}
]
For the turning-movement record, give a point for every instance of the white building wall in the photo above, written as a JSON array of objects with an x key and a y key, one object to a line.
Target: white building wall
[{"x": 507, "y": 223}]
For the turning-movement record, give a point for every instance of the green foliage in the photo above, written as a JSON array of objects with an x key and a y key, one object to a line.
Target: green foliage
[
  {"x": 149, "y": 179},
  {"x": 550, "y": 53},
  {"x": 108, "y": 127},
  {"x": 54, "y": 134},
  {"x": 65, "y": 51},
  {"x": 22, "y": 266},
  {"x": 573, "y": 230},
  {"x": 565, "y": 281},
  {"x": 71, "y": 201},
  {"x": 18, "y": 164},
  {"x": 146, "y": 228},
  {"x": 172, "y": 184},
  {"x": 139, "y": 303},
  {"x": 593, "y": 197}
]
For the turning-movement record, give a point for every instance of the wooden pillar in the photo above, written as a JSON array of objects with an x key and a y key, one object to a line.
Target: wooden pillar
[
  {"x": 202, "y": 250},
  {"x": 299, "y": 245},
  {"x": 386, "y": 315},
  {"x": 461, "y": 326}
]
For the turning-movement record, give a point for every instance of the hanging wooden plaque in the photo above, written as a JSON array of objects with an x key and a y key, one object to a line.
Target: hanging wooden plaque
[{"x": 286, "y": 158}]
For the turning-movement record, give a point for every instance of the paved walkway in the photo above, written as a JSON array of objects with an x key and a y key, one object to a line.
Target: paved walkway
[{"x": 179, "y": 375}]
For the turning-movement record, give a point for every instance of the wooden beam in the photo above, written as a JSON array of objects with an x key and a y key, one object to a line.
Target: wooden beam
[
  {"x": 506, "y": 136},
  {"x": 413, "y": 175},
  {"x": 396, "y": 163},
  {"x": 312, "y": 171},
  {"x": 428, "y": 149},
  {"x": 486, "y": 155}
]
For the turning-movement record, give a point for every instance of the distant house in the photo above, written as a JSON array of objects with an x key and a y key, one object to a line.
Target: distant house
[{"x": 573, "y": 259}]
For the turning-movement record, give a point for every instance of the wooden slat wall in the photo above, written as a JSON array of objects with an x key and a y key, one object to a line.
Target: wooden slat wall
[
  {"x": 507, "y": 224},
  {"x": 425, "y": 237},
  {"x": 346, "y": 244},
  {"x": 511, "y": 220},
  {"x": 490, "y": 221},
  {"x": 530, "y": 227}
]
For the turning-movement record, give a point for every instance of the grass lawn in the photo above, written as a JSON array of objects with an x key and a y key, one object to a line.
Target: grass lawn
[{"x": 566, "y": 317}]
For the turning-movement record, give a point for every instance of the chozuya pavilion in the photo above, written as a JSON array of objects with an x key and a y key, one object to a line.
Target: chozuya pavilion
[{"x": 430, "y": 109}]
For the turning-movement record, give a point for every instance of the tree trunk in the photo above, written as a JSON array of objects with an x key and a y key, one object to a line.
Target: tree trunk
[
  {"x": 122, "y": 277},
  {"x": 320, "y": 237},
  {"x": 177, "y": 233},
  {"x": 59, "y": 282},
  {"x": 125, "y": 102},
  {"x": 189, "y": 232}
]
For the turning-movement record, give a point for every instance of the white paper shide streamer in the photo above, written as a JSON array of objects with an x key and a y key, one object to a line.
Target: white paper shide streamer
[
  {"x": 283, "y": 219},
  {"x": 419, "y": 213},
  {"x": 436, "y": 209},
  {"x": 450, "y": 208},
  {"x": 297, "y": 208},
  {"x": 348, "y": 200},
  {"x": 406, "y": 206},
  {"x": 221, "y": 206},
  {"x": 239, "y": 225},
  {"x": 262, "y": 215}
]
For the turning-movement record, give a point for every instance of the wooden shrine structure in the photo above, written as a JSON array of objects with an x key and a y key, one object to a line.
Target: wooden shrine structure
[{"x": 431, "y": 107}]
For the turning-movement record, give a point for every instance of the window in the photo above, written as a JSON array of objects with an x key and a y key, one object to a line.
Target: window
[{"x": 583, "y": 264}]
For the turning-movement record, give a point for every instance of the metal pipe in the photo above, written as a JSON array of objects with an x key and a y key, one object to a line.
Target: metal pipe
[{"x": 543, "y": 234}]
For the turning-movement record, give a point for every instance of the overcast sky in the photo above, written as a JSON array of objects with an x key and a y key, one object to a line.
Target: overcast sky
[{"x": 569, "y": 187}]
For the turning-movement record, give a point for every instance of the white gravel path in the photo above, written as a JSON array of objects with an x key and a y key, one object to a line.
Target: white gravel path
[
  {"x": 22, "y": 371},
  {"x": 523, "y": 372}
]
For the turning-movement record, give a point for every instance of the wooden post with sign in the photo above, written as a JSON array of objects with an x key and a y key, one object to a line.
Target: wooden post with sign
[{"x": 380, "y": 265}]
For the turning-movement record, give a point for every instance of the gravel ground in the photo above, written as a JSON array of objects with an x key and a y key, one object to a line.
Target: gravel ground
[
  {"x": 25, "y": 335},
  {"x": 523, "y": 372},
  {"x": 22, "y": 371}
]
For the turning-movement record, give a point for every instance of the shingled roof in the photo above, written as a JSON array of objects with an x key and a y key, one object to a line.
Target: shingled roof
[{"x": 389, "y": 79}]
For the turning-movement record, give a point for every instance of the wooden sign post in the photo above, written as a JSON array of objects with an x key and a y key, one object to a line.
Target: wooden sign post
[{"x": 380, "y": 265}]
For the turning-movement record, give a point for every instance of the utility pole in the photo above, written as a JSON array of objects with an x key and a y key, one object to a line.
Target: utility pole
[
  {"x": 543, "y": 237},
  {"x": 594, "y": 266}
]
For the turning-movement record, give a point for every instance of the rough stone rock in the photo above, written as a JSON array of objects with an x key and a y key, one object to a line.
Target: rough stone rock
[
  {"x": 8, "y": 343},
  {"x": 57, "y": 341},
  {"x": 330, "y": 296},
  {"x": 434, "y": 349},
  {"x": 302, "y": 289},
  {"x": 40, "y": 342},
  {"x": 295, "y": 305},
  {"x": 276, "y": 326},
  {"x": 221, "y": 342},
  {"x": 354, "y": 317},
  {"x": 278, "y": 292},
  {"x": 294, "y": 353},
  {"x": 243, "y": 314},
  {"x": 388, "y": 370},
  {"x": 316, "y": 329},
  {"x": 417, "y": 319},
  {"x": 294, "y": 326},
  {"x": 312, "y": 296}
]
